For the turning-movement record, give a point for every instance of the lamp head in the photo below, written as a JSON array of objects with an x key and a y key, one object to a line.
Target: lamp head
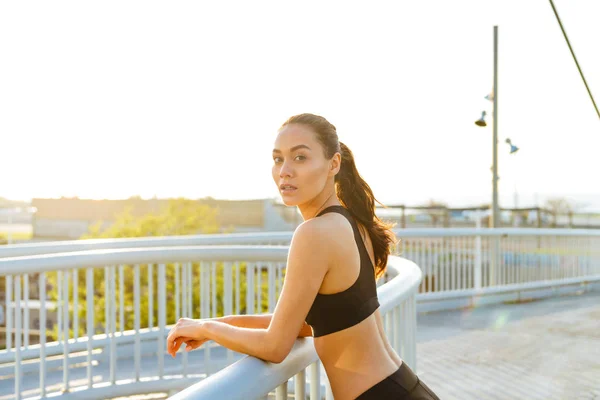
[
  {"x": 481, "y": 121},
  {"x": 513, "y": 148}
]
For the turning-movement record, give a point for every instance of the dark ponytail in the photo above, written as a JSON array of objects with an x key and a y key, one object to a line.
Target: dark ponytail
[{"x": 351, "y": 189}]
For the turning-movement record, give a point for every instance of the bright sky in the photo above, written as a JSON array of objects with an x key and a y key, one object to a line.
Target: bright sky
[{"x": 119, "y": 98}]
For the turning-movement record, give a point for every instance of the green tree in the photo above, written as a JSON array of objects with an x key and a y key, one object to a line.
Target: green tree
[{"x": 179, "y": 217}]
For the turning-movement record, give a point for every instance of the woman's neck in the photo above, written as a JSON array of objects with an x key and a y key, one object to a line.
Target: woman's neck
[{"x": 318, "y": 204}]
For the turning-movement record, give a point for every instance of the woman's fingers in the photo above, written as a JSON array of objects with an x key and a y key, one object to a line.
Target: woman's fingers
[
  {"x": 194, "y": 344},
  {"x": 185, "y": 331},
  {"x": 175, "y": 343}
]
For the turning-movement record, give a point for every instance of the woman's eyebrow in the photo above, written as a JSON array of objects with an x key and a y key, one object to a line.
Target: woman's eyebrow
[{"x": 300, "y": 146}]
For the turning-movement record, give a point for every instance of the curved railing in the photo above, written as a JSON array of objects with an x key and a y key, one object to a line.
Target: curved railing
[
  {"x": 461, "y": 268},
  {"x": 255, "y": 379},
  {"x": 94, "y": 357},
  {"x": 254, "y": 238},
  {"x": 453, "y": 259}
]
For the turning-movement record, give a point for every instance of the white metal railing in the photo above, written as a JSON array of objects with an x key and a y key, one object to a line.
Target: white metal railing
[
  {"x": 117, "y": 355},
  {"x": 465, "y": 264},
  {"x": 103, "y": 350},
  {"x": 255, "y": 379},
  {"x": 451, "y": 259},
  {"x": 254, "y": 238}
]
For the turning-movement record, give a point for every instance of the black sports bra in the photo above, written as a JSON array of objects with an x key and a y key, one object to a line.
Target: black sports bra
[{"x": 337, "y": 311}]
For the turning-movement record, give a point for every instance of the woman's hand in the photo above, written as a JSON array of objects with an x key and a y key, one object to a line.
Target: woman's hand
[{"x": 188, "y": 331}]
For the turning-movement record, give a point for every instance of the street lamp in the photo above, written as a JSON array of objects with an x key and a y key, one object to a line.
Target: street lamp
[
  {"x": 481, "y": 121},
  {"x": 513, "y": 148}
]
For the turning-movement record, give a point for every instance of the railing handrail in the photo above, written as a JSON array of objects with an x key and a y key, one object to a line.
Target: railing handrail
[
  {"x": 64, "y": 246},
  {"x": 157, "y": 255},
  {"x": 253, "y": 377},
  {"x": 254, "y": 238}
]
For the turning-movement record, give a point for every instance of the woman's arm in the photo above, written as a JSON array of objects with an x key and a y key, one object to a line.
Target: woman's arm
[
  {"x": 259, "y": 321},
  {"x": 308, "y": 262}
]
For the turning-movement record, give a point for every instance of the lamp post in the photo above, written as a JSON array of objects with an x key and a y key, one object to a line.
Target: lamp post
[
  {"x": 495, "y": 220},
  {"x": 495, "y": 208}
]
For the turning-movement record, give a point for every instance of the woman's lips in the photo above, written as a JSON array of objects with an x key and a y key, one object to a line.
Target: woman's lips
[{"x": 287, "y": 189}]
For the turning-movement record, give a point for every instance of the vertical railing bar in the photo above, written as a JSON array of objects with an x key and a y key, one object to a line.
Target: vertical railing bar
[
  {"x": 75, "y": 304},
  {"x": 388, "y": 325},
  {"x": 205, "y": 307},
  {"x": 190, "y": 287},
  {"x": 259, "y": 288},
  {"x": 315, "y": 381},
  {"x": 9, "y": 312},
  {"x": 59, "y": 312},
  {"x": 485, "y": 267},
  {"x": 121, "y": 299},
  {"x": 177, "y": 293},
  {"x": 42, "y": 328},
  {"x": 429, "y": 267},
  {"x": 26, "y": 310},
  {"x": 413, "y": 330},
  {"x": 161, "y": 319},
  {"x": 249, "y": 288},
  {"x": 186, "y": 309},
  {"x": 18, "y": 333},
  {"x": 300, "y": 385},
  {"x": 396, "y": 331},
  {"x": 442, "y": 264},
  {"x": 454, "y": 262},
  {"x": 237, "y": 287},
  {"x": 136, "y": 322},
  {"x": 466, "y": 240},
  {"x": 421, "y": 263},
  {"x": 227, "y": 298},
  {"x": 213, "y": 277},
  {"x": 106, "y": 301},
  {"x": 281, "y": 392},
  {"x": 271, "y": 286},
  {"x": 150, "y": 296},
  {"x": 184, "y": 284},
  {"x": 436, "y": 280},
  {"x": 112, "y": 296},
  {"x": 66, "y": 331},
  {"x": 89, "y": 315}
]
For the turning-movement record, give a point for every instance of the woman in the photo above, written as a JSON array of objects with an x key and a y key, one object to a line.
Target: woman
[{"x": 329, "y": 290}]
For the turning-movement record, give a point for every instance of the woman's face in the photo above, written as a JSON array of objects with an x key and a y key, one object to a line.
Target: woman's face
[{"x": 300, "y": 169}]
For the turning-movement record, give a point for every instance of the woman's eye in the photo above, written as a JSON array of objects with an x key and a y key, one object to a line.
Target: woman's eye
[
  {"x": 302, "y": 157},
  {"x": 277, "y": 159}
]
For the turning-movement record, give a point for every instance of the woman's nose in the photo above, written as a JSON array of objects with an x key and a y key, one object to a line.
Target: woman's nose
[{"x": 285, "y": 170}]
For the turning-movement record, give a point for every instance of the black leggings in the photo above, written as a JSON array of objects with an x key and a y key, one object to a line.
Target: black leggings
[{"x": 401, "y": 385}]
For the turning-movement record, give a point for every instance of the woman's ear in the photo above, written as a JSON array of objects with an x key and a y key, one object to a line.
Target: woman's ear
[{"x": 335, "y": 164}]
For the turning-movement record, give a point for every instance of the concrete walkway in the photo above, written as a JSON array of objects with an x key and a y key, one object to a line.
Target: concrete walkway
[{"x": 547, "y": 349}]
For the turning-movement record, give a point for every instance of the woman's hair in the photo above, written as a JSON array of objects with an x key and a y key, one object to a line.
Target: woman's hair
[{"x": 351, "y": 189}]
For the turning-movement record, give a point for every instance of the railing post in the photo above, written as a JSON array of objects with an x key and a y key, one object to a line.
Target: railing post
[
  {"x": 89, "y": 316},
  {"x": 65, "y": 321},
  {"x": 477, "y": 272},
  {"x": 315, "y": 381},
  {"x": 161, "y": 318},
  {"x": 9, "y": 312},
  {"x": 18, "y": 337},
  {"x": 42, "y": 328}
]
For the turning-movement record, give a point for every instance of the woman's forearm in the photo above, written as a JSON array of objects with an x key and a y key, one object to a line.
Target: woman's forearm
[
  {"x": 258, "y": 321},
  {"x": 251, "y": 341}
]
